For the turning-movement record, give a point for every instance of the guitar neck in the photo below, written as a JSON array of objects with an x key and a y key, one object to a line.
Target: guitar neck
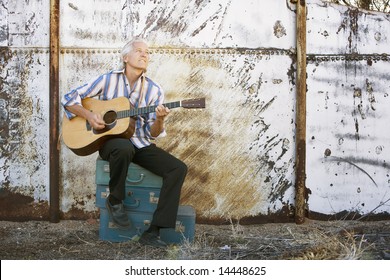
[{"x": 146, "y": 110}]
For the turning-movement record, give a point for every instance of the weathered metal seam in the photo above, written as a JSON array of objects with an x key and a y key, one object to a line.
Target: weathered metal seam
[
  {"x": 183, "y": 51},
  {"x": 310, "y": 57},
  {"x": 24, "y": 50},
  {"x": 300, "y": 162},
  {"x": 54, "y": 210},
  {"x": 348, "y": 57}
]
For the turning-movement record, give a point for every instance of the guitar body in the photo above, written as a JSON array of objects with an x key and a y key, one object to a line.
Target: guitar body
[
  {"x": 118, "y": 116},
  {"x": 83, "y": 140}
]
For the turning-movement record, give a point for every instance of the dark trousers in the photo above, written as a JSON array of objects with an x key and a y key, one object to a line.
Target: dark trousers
[{"x": 121, "y": 152}]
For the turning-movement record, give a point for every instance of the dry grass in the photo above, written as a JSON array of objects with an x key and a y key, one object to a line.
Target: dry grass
[
  {"x": 314, "y": 240},
  {"x": 242, "y": 242},
  {"x": 331, "y": 247}
]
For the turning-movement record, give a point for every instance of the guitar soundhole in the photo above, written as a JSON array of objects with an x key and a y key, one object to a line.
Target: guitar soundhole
[
  {"x": 110, "y": 120},
  {"x": 110, "y": 117}
]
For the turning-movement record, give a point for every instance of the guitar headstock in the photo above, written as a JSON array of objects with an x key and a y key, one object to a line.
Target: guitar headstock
[{"x": 194, "y": 103}]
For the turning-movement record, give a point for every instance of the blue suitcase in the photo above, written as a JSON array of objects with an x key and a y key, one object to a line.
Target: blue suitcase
[
  {"x": 136, "y": 175},
  {"x": 184, "y": 231},
  {"x": 142, "y": 187},
  {"x": 138, "y": 198}
]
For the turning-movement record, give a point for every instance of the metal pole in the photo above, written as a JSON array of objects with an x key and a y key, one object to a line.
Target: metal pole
[
  {"x": 300, "y": 183},
  {"x": 54, "y": 211}
]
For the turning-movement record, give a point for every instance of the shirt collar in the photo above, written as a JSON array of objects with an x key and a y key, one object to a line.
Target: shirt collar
[{"x": 122, "y": 71}]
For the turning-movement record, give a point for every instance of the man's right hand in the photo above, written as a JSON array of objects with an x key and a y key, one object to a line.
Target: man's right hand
[{"x": 95, "y": 120}]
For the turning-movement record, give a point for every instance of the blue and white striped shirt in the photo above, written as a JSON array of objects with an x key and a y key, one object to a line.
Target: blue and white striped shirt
[{"x": 115, "y": 84}]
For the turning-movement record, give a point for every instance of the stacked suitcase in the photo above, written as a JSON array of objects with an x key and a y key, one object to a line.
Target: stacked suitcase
[{"x": 142, "y": 193}]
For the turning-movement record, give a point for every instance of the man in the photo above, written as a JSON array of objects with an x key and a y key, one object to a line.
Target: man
[{"x": 132, "y": 82}]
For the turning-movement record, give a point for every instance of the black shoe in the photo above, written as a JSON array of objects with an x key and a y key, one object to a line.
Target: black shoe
[
  {"x": 118, "y": 215},
  {"x": 152, "y": 239}
]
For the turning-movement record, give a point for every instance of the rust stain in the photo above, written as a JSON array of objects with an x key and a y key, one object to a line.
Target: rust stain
[
  {"x": 350, "y": 22},
  {"x": 79, "y": 214},
  {"x": 360, "y": 111},
  {"x": 199, "y": 143},
  {"x": 226, "y": 176},
  {"x": 18, "y": 207},
  {"x": 347, "y": 215}
]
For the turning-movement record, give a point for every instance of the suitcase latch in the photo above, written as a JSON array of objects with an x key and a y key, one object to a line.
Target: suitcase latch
[
  {"x": 152, "y": 198},
  {"x": 105, "y": 194}
]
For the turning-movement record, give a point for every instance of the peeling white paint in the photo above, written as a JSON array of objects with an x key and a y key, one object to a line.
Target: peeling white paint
[
  {"x": 347, "y": 130},
  {"x": 25, "y": 130},
  {"x": 352, "y": 128},
  {"x": 336, "y": 29}
]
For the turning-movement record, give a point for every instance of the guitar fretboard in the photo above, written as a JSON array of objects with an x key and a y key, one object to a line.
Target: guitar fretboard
[{"x": 145, "y": 110}]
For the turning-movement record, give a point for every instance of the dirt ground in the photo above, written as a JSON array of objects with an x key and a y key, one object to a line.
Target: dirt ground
[{"x": 74, "y": 240}]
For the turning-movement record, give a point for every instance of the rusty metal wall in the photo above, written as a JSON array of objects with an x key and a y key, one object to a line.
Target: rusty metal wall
[{"x": 240, "y": 55}]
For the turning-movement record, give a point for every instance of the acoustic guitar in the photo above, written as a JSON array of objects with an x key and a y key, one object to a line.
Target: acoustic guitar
[{"x": 118, "y": 114}]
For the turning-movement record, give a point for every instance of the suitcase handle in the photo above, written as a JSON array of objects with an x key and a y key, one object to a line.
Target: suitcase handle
[
  {"x": 134, "y": 205},
  {"x": 141, "y": 177}
]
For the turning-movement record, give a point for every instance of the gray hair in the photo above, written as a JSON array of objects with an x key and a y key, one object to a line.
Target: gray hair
[{"x": 129, "y": 47}]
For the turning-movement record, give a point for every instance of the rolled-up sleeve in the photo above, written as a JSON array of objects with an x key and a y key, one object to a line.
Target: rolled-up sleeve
[{"x": 75, "y": 96}]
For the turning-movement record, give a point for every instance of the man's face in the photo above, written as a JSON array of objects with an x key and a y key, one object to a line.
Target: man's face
[{"x": 138, "y": 57}]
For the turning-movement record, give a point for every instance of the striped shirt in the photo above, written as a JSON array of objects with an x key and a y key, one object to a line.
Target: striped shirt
[{"x": 115, "y": 84}]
